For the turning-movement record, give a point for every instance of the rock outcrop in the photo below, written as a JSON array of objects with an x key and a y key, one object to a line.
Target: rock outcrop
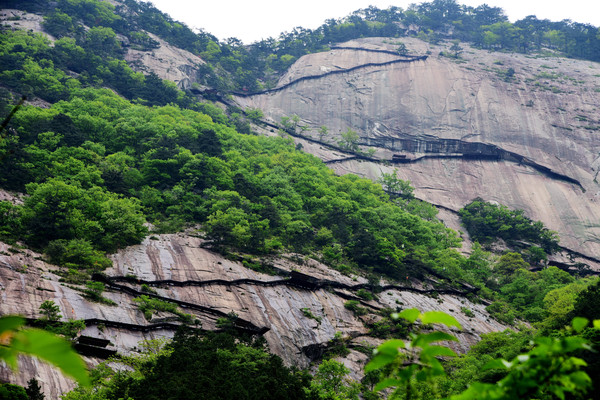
[
  {"x": 532, "y": 121},
  {"x": 219, "y": 286},
  {"x": 167, "y": 62}
]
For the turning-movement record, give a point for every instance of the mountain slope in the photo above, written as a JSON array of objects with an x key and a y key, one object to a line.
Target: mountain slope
[
  {"x": 538, "y": 126},
  {"x": 460, "y": 128},
  {"x": 220, "y": 286}
]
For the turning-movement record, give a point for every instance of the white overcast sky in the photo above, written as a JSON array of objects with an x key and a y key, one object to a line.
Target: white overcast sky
[{"x": 254, "y": 20}]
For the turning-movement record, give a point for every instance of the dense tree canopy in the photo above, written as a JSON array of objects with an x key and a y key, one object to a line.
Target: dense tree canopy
[
  {"x": 487, "y": 222},
  {"x": 231, "y": 65}
]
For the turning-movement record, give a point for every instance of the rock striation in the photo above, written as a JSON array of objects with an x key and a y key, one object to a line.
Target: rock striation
[
  {"x": 208, "y": 286},
  {"x": 511, "y": 128}
]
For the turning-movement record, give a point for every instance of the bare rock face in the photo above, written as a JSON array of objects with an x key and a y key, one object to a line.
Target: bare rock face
[
  {"x": 219, "y": 287},
  {"x": 515, "y": 129},
  {"x": 167, "y": 62},
  {"x": 22, "y": 20}
]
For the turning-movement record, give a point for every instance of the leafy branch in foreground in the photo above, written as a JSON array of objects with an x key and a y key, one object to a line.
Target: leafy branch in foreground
[
  {"x": 419, "y": 360},
  {"x": 14, "y": 339},
  {"x": 548, "y": 369}
]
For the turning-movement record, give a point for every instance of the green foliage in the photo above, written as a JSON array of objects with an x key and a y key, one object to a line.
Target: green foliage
[
  {"x": 216, "y": 366},
  {"x": 147, "y": 289},
  {"x": 354, "y": 306},
  {"x": 420, "y": 360},
  {"x": 560, "y": 303},
  {"x": 77, "y": 253},
  {"x": 97, "y": 165},
  {"x": 467, "y": 312},
  {"x": 308, "y": 314},
  {"x": 323, "y": 132},
  {"x": 290, "y": 124},
  {"x": 337, "y": 347},
  {"x": 349, "y": 140},
  {"x": 502, "y": 312},
  {"x": 365, "y": 294},
  {"x": 549, "y": 368},
  {"x": 108, "y": 160},
  {"x": 50, "y": 321},
  {"x": 102, "y": 41},
  {"x": 41, "y": 344},
  {"x": 388, "y": 327},
  {"x": 9, "y": 391},
  {"x": 487, "y": 222},
  {"x": 397, "y": 187},
  {"x": 149, "y": 305},
  {"x": 94, "y": 292},
  {"x": 255, "y": 114},
  {"x": 478, "y": 266},
  {"x": 69, "y": 329},
  {"x": 50, "y": 311},
  {"x": 9, "y": 220},
  {"x": 66, "y": 211},
  {"x": 509, "y": 263},
  {"x": 587, "y": 302},
  {"x": 456, "y": 48},
  {"x": 331, "y": 382},
  {"x": 34, "y": 391}
]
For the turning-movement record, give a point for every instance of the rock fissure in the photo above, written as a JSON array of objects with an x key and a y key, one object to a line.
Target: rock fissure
[
  {"x": 394, "y": 53},
  {"x": 239, "y": 322},
  {"x": 340, "y": 71},
  {"x": 297, "y": 280},
  {"x": 456, "y": 148}
]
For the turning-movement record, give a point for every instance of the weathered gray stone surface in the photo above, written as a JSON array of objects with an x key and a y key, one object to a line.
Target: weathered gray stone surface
[
  {"x": 547, "y": 113},
  {"x": 17, "y": 19},
  {"x": 26, "y": 281},
  {"x": 166, "y": 61}
]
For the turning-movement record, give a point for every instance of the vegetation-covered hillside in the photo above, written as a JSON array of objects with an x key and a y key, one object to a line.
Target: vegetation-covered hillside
[
  {"x": 233, "y": 65},
  {"x": 115, "y": 155}
]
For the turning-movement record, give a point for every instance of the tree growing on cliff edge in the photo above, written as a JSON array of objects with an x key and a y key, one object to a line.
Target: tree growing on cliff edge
[
  {"x": 396, "y": 186},
  {"x": 323, "y": 131},
  {"x": 331, "y": 382},
  {"x": 456, "y": 48},
  {"x": 349, "y": 140},
  {"x": 50, "y": 311},
  {"x": 34, "y": 391}
]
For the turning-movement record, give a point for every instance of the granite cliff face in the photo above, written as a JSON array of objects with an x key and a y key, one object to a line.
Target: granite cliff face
[
  {"x": 209, "y": 286},
  {"x": 519, "y": 130}
]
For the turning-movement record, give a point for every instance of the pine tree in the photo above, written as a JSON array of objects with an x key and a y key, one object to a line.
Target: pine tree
[{"x": 34, "y": 391}]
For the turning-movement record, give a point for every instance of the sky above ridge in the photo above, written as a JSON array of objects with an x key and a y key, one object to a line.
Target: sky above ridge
[{"x": 251, "y": 21}]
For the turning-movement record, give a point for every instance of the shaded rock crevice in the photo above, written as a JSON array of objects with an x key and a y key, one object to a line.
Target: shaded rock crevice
[
  {"x": 240, "y": 324},
  {"x": 297, "y": 280},
  {"x": 453, "y": 148}
]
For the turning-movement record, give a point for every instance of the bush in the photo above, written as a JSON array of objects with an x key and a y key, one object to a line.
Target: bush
[
  {"x": 9, "y": 391},
  {"x": 148, "y": 305},
  {"x": 467, "y": 312},
  {"x": 59, "y": 210},
  {"x": 501, "y": 312},
  {"x": 78, "y": 254},
  {"x": 337, "y": 347},
  {"x": 487, "y": 222},
  {"x": 365, "y": 294},
  {"x": 9, "y": 220},
  {"x": 353, "y": 305}
]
